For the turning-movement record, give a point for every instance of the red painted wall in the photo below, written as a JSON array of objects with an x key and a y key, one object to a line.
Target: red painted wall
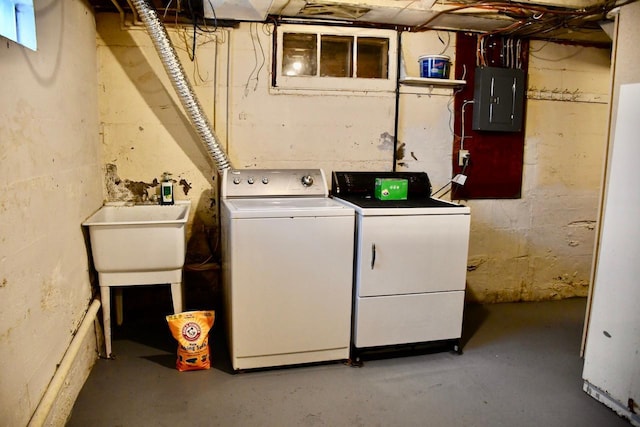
[{"x": 496, "y": 158}]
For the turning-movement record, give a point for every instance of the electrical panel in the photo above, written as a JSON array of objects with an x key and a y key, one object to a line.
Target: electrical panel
[{"x": 498, "y": 99}]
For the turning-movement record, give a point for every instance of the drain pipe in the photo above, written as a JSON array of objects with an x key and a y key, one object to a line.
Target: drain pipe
[
  {"x": 44, "y": 407},
  {"x": 396, "y": 118},
  {"x": 180, "y": 82}
]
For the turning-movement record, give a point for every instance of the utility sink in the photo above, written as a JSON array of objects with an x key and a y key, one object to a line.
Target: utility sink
[
  {"x": 138, "y": 238},
  {"x": 137, "y": 245}
]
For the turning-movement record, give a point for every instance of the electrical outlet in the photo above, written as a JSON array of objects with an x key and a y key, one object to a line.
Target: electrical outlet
[{"x": 462, "y": 156}]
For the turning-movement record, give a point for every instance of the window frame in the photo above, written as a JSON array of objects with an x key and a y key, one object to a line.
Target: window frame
[
  {"x": 318, "y": 82},
  {"x": 18, "y": 23}
]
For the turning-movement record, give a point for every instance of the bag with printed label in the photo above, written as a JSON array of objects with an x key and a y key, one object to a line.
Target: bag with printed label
[{"x": 191, "y": 330}]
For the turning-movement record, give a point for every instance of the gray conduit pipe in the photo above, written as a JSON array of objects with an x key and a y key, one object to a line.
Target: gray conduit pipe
[{"x": 173, "y": 67}]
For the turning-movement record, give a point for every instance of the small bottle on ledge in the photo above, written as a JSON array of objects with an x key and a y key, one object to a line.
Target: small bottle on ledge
[{"x": 166, "y": 189}]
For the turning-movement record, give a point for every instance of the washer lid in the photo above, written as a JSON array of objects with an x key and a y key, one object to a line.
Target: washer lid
[{"x": 286, "y": 207}]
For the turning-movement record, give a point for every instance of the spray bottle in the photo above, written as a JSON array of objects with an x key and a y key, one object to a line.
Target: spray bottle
[{"x": 166, "y": 189}]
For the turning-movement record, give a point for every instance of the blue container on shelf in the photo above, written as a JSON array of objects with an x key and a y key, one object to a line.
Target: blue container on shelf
[{"x": 434, "y": 66}]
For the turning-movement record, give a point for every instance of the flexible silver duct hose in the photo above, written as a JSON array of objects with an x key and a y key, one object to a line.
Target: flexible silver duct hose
[{"x": 173, "y": 67}]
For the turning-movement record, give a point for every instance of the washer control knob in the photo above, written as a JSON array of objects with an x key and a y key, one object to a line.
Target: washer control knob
[
  {"x": 307, "y": 180},
  {"x": 250, "y": 180},
  {"x": 236, "y": 180},
  {"x": 265, "y": 180}
]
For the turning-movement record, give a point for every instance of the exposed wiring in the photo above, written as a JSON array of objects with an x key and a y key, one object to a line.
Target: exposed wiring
[
  {"x": 452, "y": 99},
  {"x": 190, "y": 46},
  {"x": 166, "y": 9},
  {"x": 569, "y": 56},
  {"x": 205, "y": 265},
  {"x": 196, "y": 17},
  {"x": 446, "y": 44},
  {"x": 255, "y": 60},
  {"x": 462, "y": 138},
  {"x": 267, "y": 27},
  {"x": 435, "y": 193},
  {"x": 193, "y": 48},
  {"x": 451, "y": 113},
  {"x": 451, "y": 181},
  {"x": 184, "y": 35},
  {"x": 258, "y": 63},
  {"x": 510, "y": 55},
  {"x": 215, "y": 18},
  {"x": 446, "y": 192},
  {"x": 462, "y": 131},
  {"x": 533, "y": 19},
  {"x": 255, "y": 54},
  {"x": 264, "y": 58}
]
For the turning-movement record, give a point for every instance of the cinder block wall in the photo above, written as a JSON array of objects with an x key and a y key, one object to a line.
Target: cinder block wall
[{"x": 536, "y": 247}]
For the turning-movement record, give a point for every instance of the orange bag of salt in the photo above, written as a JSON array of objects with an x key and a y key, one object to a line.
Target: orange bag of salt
[{"x": 191, "y": 330}]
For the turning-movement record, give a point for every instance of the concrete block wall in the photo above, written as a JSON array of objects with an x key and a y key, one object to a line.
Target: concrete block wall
[
  {"x": 276, "y": 128},
  {"x": 536, "y": 247},
  {"x": 144, "y": 129},
  {"x": 540, "y": 246},
  {"x": 56, "y": 149},
  {"x": 425, "y": 134},
  {"x": 50, "y": 182}
]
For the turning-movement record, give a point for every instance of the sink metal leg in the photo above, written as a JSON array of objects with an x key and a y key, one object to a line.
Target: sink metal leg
[
  {"x": 176, "y": 297},
  {"x": 105, "y": 296},
  {"x": 118, "y": 303}
]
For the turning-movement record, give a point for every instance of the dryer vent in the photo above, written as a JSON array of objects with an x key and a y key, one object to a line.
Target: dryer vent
[{"x": 180, "y": 82}]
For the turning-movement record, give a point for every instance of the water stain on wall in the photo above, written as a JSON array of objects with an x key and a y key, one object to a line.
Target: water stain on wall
[
  {"x": 141, "y": 189},
  {"x": 185, "y": 186},
  {"x": 400, "y": 151},
  {"x": 473, "y": 263},
  {"x": 124, "y": 190},
  {"x": 385, "y": 143},
  {"x": 586, "y": 223}
]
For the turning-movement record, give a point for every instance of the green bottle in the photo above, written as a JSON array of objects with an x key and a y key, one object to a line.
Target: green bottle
[{"x": 166, "y": 189}]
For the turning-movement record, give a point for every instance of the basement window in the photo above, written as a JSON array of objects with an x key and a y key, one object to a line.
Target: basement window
[
  {"x": 18, "y": 22},
  {"x": 335, "y": 58}
]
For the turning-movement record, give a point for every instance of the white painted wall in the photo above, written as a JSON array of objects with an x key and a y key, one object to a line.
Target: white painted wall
[
  {"x": 540, "y": 246},
  {"x": 275, "y": 128},
  {"x": 537, "y": 247},
  {"x": 426, "y": 113},
  {"x": 145, "y": 131},
  {"x": 50, "y": 182}
]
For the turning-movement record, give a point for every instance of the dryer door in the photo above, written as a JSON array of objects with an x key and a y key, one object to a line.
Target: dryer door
[{"x": 410, "y": 254}]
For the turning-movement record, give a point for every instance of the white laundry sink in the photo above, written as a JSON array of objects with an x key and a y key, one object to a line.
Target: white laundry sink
[
  {"x": 137, "y": 245},
  {"x": 138, "y": 238}
]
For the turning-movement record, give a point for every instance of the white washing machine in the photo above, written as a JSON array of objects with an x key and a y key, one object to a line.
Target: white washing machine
[{"x": 287, "y": 266}]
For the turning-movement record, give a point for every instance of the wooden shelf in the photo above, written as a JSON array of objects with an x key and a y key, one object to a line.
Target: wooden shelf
[{"x": 424, "y": 81}]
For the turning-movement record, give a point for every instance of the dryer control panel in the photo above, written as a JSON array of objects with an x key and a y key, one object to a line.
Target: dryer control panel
[{"x": 273, "y": 183}]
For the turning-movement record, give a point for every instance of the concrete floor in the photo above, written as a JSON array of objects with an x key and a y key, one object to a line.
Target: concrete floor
[{"x": 520, "y": 367}]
